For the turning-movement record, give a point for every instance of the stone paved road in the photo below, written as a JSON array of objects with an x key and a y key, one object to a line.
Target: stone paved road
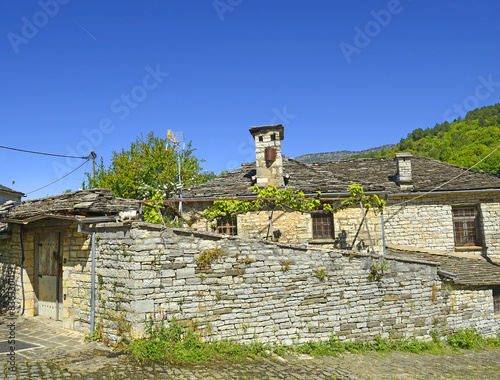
[
  {"x": 63, "y": 354},
  {"x": 98, "y": 365}
]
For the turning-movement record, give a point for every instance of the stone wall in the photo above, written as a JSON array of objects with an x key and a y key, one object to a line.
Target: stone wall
[
  {"x": 266, "y": 291},
  {"x": 294, "y": 227},
  {"x": 11, "y": 263},
  {"x": 253, "y": 289},
  {"x": 427, "y": 222},
  {"x": 4, "y": 197}
]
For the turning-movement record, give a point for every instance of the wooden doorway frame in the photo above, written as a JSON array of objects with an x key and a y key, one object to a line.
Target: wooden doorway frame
[{"x": 59, "y": 270}]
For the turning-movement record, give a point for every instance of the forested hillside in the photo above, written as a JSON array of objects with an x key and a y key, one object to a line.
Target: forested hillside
[
  {"x": 342, "y": 154},
  {"x": 462, "y": 142}
]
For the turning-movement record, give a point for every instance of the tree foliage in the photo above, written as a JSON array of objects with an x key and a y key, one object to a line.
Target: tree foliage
[
  {"x": 148, "y": 169},
  {"x": 462, "y": 142}
]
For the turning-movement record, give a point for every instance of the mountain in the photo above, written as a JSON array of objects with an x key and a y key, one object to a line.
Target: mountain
[
  {"x": 342, "y": 154},
  {"x": 465, "y": 142}
]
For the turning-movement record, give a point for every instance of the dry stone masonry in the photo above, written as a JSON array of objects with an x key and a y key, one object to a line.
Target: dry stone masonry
[
  {"x": 427, "y": 222},
  {"x": 270, "y": 292},
  {"x": 244, "y": 289}
]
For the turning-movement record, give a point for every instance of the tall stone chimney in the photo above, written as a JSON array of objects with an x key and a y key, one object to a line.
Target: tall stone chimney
[
  {"x": 404, "y": 177},
  {"x": 268, "y": 159}
]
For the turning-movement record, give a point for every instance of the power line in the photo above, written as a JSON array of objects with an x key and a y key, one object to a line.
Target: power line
[
  {"x": 44, "y": 154},
  {"x": 64, "y": 176},
  {"x": 441, "y": 185}
]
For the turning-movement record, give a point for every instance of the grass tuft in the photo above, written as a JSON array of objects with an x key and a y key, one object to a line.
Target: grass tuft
[{"x": 174, "y": 342}]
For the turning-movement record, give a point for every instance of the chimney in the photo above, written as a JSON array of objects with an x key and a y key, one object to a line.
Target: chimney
[
  {"x": 268, "y": 160},
  {"x": 404, "y": 176}
]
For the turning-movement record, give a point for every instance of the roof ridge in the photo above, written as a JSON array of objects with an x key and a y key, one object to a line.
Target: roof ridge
[
  {"x": 461, "y": 167},
  {"x": 9, "y": 190}
]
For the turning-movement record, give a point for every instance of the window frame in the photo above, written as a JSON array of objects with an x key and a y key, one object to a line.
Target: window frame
[
  {"x": 466, "y": 221},
  {"x": 318, "y": 219},
  {"x": 227, "y": 225}
]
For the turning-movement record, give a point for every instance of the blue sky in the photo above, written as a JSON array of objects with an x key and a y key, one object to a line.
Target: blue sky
[{"x": 340, "y": 75}]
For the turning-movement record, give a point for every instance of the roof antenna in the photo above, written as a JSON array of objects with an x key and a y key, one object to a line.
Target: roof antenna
[
  {"x": 177, "y": 138},
  {"x": 12, "y": 187}
]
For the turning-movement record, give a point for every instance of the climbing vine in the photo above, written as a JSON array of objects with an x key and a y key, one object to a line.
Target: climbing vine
[
  {"x": 357, "y": 195},
  {"x": 285, "y": 199},
  {"x": 288, "y": 200}
]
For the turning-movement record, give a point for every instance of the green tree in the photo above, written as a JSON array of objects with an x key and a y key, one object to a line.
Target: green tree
[
  {"x": 149, "y": 168},
  {"x": 462, "y": 142}
]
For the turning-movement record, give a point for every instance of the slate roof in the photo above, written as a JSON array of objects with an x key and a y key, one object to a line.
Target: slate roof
[
  {"x": 472, "y": 270},
  {"x": 95, "y": 202},
  {"x": 5, "y": 189},
  {"x": 374, "y": 174}
]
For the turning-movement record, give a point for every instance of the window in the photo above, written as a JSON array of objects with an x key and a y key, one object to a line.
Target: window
[
  {"x": 273, "y": 137},
  {"x": 322, "y": 224},
  {"x": 466, "y": 226},
  {"x": 227, "y": 225}
]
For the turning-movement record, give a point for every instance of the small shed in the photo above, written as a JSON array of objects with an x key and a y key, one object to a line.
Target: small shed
[
  {"x": 45, "y": 241},
  {"x": 7, "y": 194}
]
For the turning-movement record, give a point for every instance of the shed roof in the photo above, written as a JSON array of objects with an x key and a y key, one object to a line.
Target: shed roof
[
  {"x": 374, "y": 174},
  {"x": 95, "y": 202},
  {"x": 5, "y": 189},
  {"x": 472, "y": 270}
]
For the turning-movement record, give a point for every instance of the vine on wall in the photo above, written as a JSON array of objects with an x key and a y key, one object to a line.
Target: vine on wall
[{"x": 288, "y": 200}]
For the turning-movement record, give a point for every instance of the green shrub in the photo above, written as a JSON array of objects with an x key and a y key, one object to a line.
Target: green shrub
[
  {"x": 175, "y": 342},
  {"x": 466, "y": 338}
]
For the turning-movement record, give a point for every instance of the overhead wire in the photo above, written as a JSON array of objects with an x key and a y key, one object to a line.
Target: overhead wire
[
  {"x": 44, "y": 154},
  {"x": 86, "y": 158},
  {"x": 441, "y": 185},
  {"x": 57, "y": 180}
]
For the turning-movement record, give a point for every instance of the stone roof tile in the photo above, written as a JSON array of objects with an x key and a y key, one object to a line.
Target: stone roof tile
[
  {"x": 5, "y": 189},
  {"x": 84, "y": 202},
  {"x": 472, "y": 270},
  {"x": 374, "y": 174}
]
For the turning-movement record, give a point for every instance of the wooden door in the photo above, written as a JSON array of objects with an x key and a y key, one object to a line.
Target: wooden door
[{"x": 49, "y": 275}]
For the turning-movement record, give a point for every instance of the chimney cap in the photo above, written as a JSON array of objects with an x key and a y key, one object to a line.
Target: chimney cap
[
  {"x": 276, "y": 127},
  {"x": 404, "y": 155}
]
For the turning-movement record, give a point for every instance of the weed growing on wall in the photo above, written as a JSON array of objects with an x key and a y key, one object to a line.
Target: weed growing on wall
[
  {"x": 176, "y": 342},
  {"x": 320, "y": 274},
  {"x": 207, "y": 256},
  {"x": 378, "y": 271},
  {"x": 285, "y": 265}
]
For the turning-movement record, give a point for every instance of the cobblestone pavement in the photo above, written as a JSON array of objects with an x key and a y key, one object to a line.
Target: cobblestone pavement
[{"x": 63, "y": 354}]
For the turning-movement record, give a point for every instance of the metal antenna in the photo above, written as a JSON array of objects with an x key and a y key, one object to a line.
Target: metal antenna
[{"x": 177, "y": 138}]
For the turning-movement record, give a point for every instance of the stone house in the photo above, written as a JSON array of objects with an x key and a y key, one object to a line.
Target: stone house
[
  {"x": 44, "y": 238},
  {"x": 7, "y": 194},
  {"x": 8, "y": 198},
  {"x": 72, "y": 258},
  {"x": 430, "y": 204}
]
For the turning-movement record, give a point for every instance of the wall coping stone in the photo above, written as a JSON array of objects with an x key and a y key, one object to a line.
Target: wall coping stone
[{"x": 302, "y": 247}]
